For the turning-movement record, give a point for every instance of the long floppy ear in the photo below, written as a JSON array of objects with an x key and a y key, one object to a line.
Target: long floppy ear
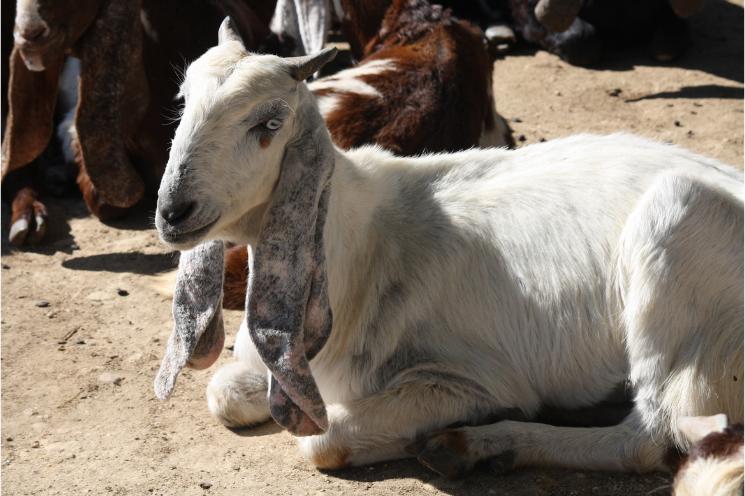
[
  {"x": 113, "y": 97},
  {"x": 557, "y": 15},
  {"x": 694, "y": 429},
  {"x": 288, "y": 311},
  {"x": 306, "y": 21},
  {"x": 198, "y": 333},
  {"x": 31, "y": 100}
]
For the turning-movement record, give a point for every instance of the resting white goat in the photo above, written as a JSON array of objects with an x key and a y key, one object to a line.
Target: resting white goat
[{"x": 461, "y": 285}]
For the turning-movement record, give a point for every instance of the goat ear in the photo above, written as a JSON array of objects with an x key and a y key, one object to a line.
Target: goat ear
[
  {"x": 31, "y": 100},
  {"x": 305, "y": 21},
  {"x": 557, "y": 15},
  {"x": 198, "y": 334},
  {"x": 113, "y": 99},
  {"x": 695, "y": 429},
  {"x": 289, "y": 317},
  {"x": 228, "y": 32},
  {"x": 301, "y": 68}
]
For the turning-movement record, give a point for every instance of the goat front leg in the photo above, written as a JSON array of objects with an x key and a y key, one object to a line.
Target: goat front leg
[
  {"x": 508, "y": 444},
  {"x": 381, "y": 427},
  {"x": 28, "y": 219}
]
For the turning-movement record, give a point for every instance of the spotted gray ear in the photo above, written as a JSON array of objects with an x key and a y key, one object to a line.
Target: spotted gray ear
[
  {"x": 289, "y": 317},
  {"x": 198, "y": 334},
  {"x": 301, "y": 68},
  {"x": 228, "y": 32}
]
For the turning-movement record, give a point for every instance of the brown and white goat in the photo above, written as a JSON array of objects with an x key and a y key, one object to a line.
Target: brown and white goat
[
  {"x": 714, "y": 464},
  {"x": 127, "y": 51},
  {"x": 424, "y": 85}
]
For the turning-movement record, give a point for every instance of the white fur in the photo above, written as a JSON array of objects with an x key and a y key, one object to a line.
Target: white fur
[
  {"x": 711, "y": 476},
  {"x": 463, "y": 284},
  {"x": 347, "y": 81},
  {"x": 68, "y": 103}
]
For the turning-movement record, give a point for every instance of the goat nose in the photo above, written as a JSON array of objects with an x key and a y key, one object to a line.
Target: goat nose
[
  {"x": 176, "y": 213},
  {"x": 33, "y": 32}
]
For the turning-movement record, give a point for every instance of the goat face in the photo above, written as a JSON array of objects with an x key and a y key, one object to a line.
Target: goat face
[
  {"x": 44, "y": 29},
  {"x": 238, "y": 114}
]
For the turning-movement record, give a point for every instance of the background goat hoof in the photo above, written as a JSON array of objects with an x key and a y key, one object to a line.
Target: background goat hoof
[
  {"x": 29, "y": 219},
  {"x": 444, "y": 452}
]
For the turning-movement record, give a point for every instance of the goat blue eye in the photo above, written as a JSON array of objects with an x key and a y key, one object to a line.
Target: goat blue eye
[{"x": 273, "y": 124}]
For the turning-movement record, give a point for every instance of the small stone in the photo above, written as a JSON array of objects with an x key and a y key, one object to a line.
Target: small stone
[
  {"x": 615, "y": 92},
  {"x": 517, "y": 120},
  {"x": 80, "y": 341},
  {"x": 205, "y": 485},
  {"x": 36, "y": 444},
  {"x": 9, "y": 439},
  {"x": 521, "y": 138},
  {"x": 557, "y": 93},
  {"x": 122, "y": 292},
  {"x": 110, "y": 378},
  {"x": 6, "y": 266},
  {"x": 542, "y": 140},
  {"x": 42, "y": 303},
  {"x": 678, "y": 124},
  {"x": 689, "y": 134}
]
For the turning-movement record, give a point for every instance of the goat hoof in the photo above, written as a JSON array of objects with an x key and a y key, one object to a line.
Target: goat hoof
[
  {"x": 19, "y": 231},
  {"x": 445, "y": 453},
  {"x": 29, "y": 219}
]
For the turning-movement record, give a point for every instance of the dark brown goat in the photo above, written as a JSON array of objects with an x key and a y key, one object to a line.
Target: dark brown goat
[
  {"x": 427, "y": 88},
  {"x": 128, "y": 49}
]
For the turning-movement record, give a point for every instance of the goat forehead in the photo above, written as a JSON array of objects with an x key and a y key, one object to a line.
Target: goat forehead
[{"x": 229, "y": 69}]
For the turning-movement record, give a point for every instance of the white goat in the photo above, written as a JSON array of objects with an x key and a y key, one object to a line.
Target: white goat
[{"x": 461, "y": 285}]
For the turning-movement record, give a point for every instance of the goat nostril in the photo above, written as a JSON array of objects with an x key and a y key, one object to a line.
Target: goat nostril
[
  {"x": 33, "y": 33},
  {"x": 175, "y": 214}
]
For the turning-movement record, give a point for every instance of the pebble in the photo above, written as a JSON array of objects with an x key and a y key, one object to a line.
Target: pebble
[
  {"x": 615, "y": 92},
  {"x": 6, "y": 266},
  {"x": 678, "y": 124},
  {"x": 9, "y": 439},
  {"x": 36, "y": 444},
  {"x": 521, "y": 138},
  {"x": 517, "y": 120},
  {"x": 110, "y": 378},
  {"x": 122, "y": 292},
  {"x": 205, "y": 485},
  {"x": 42, "y": 303}
]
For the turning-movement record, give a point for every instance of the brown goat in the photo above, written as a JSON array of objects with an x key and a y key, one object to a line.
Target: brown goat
[
  {"x": 128, "y": 49},
  {"x": 432, "y": 76}
]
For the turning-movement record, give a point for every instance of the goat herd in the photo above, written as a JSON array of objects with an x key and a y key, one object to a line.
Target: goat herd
[{"x": 413, "y": 286}]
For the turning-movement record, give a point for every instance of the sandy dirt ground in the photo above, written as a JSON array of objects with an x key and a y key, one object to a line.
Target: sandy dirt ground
[{"x": 84, "y": 325}]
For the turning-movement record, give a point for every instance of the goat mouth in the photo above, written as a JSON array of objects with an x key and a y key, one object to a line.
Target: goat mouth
[{"x": 179, "y": 239}]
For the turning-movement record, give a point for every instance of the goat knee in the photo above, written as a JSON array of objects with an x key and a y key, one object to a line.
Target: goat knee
[{"x": 237, "y": 396}]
